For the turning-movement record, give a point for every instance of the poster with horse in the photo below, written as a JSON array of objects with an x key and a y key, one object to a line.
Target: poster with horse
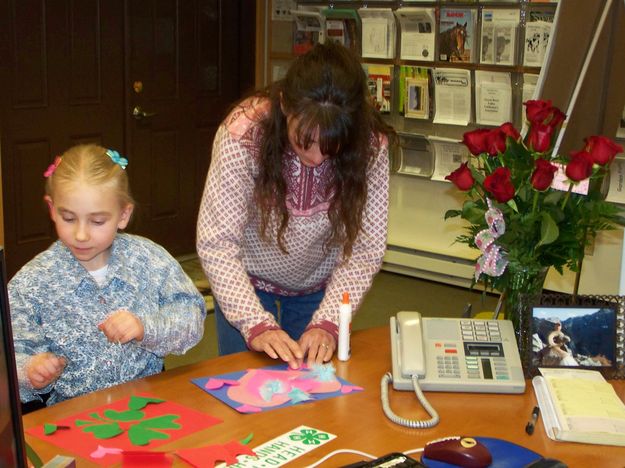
[{"x": 456, "y": 37}]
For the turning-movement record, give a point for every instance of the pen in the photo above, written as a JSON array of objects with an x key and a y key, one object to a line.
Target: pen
[{"x": 529, "y": 428}]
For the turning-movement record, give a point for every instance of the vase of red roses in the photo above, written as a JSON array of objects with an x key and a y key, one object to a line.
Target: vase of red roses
[{"x": 528, "y": 208}]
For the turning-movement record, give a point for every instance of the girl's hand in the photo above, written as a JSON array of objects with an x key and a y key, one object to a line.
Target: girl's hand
[
  {"x": 318, "y": 344},
  {"x": 121, "y": 327},
  {"x": 278, "y": 344},
  {"x": 44, "y": 368}
]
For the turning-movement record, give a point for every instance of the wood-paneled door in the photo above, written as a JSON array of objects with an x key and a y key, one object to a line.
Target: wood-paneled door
[{"x": 151, "y": 78}]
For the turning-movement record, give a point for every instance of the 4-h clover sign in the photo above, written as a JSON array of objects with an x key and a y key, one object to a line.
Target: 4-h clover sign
[{"x": 310, "y": 437}]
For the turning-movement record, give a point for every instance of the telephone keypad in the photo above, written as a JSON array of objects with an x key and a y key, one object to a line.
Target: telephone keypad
[{"x": 492, "y": 357}]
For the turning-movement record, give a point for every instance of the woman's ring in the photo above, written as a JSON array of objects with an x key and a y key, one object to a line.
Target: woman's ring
[{"x": 325, "y": 345}]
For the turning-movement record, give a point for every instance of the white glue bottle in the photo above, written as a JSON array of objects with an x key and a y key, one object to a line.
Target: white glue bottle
[{"x": 345, "y": 325}]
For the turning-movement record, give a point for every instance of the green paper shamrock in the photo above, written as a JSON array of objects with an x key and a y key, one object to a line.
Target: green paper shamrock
[
  {"x": 142, "y": 432},
  {"x": 130, "y": 415},
  {"x": 104, "y": 431},
  {"x": 137, "y": 403},
  {"x": 309, "y": 437}
]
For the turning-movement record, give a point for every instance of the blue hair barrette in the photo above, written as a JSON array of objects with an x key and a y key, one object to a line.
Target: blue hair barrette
[{"x": 117, "y": 158}]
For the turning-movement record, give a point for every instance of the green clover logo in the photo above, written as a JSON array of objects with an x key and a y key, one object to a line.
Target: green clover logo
[{"x": 309, "y": 437}]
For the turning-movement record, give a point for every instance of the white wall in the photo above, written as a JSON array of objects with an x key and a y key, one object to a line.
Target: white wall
[{"x": 421, "y": 242}]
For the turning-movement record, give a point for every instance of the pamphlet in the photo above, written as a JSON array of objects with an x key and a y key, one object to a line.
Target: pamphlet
[
  {"x": 452, "y": 96},
  {"x": 493, "y": 98},
  {"x": 417, "y": 33}
]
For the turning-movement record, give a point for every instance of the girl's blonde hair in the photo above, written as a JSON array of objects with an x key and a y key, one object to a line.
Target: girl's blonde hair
[{"x": 91, "y": 165}]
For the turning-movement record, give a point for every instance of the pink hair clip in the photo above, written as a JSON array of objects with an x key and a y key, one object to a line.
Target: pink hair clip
[{"x": 52, "y": 167}]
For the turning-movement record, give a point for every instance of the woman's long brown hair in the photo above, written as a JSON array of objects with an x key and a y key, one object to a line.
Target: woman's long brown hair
[{"x": 325, "y": 90}]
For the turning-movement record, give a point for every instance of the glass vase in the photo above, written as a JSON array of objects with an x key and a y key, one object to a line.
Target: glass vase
[{"x": 525, "y": 286}]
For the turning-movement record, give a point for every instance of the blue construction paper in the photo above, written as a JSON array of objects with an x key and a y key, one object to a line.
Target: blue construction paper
[{"x": 221, "y": 393}]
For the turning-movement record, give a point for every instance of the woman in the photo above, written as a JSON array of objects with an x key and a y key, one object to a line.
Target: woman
[{"x": 294, "y": 212}]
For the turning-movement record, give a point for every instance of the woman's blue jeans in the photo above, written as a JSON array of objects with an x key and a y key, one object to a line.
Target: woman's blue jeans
[{"x": 293, "y": 313}]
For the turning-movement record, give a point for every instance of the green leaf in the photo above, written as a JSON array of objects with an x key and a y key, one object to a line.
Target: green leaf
[
  {"x": 139, "y": 402},
  {"x": 473, "y": 213},
  {"x": 248, "y": 439},
  {"x": 49, "y": 429},
  {"x": 130, "y": 415},
  {"x": 82, "y": 422},
  {"x": 104, "y": 431},
  {"x": 548, "y": 230},
  {"x": 452, "y": 213}
]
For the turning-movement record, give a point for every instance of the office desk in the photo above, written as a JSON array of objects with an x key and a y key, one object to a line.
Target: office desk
[{"x": 357, "y": 419}]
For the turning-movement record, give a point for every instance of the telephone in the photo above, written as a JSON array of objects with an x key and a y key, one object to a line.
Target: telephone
[{"x": 451, "y": 355}]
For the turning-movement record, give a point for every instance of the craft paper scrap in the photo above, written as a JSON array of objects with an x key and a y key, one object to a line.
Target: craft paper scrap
[
  {"x": 135, "y": 423},
  {"x": 256, "y": 390},
  {"x": 284, "y": 449},
  {"x": 207, "y": 457}
]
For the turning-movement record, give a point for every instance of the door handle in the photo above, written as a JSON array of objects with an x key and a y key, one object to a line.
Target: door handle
[{"x": 139, "y": 114}]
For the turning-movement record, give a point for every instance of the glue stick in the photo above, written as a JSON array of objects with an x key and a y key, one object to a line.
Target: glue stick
[{"x": 345, "y": 325}]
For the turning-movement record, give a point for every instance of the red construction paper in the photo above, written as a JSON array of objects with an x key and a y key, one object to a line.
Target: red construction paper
[
  {"x": 209, "y": 456},
  {"x": 74, "y": 440},
  {"x": 142, "y": 459}
]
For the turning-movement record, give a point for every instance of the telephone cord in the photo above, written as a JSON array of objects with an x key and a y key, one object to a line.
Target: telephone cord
[{"x": 412, "y": 423}]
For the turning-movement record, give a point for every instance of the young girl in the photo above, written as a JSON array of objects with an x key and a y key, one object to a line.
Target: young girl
[{"x": 98, "y": 307}]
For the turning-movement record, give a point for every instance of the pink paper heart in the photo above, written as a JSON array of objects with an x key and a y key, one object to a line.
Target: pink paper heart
[
  {"x": 350, "y": 388},
  {"x": 101, "y": 452},
  {"x": 215, "y": 384},
  {"x": 248, "y": 409}
]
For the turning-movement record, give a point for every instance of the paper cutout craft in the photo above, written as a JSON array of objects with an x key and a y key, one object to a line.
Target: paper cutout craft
[
  {"x": 142, "y": 459},
  {"x": 52, "y": 428},
  {"x": 256, "y": 390},
  {"x": 207, "y": 457},
  {"x": 101, "y": 452},
  {"x": 154, "y": 428}
]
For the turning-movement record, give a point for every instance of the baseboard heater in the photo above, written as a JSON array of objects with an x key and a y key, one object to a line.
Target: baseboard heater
[{"x": 427, "y": 265}]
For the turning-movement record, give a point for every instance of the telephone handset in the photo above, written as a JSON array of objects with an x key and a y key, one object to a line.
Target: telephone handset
[{"x": 451, "y": 355}]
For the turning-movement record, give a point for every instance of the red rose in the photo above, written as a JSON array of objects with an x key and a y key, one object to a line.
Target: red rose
[
  {"x": 537, "y": 111},
  {"x": 602, "y": 149},
  {"x": 510, "y": 131},
  {"x": 539, "y": 137},
  {"x": 557, "y": 117},
  {"x": 476, "y": 140},
  {"x": 542, "y": 112},
  {"x": 543, "y": 174},
  {"x": 495, "y": 141},
  {"x": 499, "y": 185},
  {"x": 580, "y": 166},
  {"x": 462, "y": 177}
]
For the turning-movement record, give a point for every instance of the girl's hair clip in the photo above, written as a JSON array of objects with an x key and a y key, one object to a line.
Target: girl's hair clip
[
  {"x": 52, "y": 167},
  {"x": 116, "y": 158}
]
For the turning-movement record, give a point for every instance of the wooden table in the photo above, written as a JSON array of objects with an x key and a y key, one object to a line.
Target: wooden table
[{"x": 357, "y": 419}]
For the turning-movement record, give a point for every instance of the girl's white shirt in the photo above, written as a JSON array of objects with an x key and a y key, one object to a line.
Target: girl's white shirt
[{"x": 99, "y": 275}]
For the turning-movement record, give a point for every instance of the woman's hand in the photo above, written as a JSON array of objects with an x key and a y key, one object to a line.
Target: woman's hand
[
  {"x": 318, "y": 344},
  {"x": 121, "y": 327},
  {"x": 277, "y": 344},
  {"x": 44, "y": 368}
]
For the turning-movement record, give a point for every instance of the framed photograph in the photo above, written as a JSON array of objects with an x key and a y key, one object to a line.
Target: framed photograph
[
  {"x": 574, "y": 336},
  {"x": 417, "y": 102}
]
